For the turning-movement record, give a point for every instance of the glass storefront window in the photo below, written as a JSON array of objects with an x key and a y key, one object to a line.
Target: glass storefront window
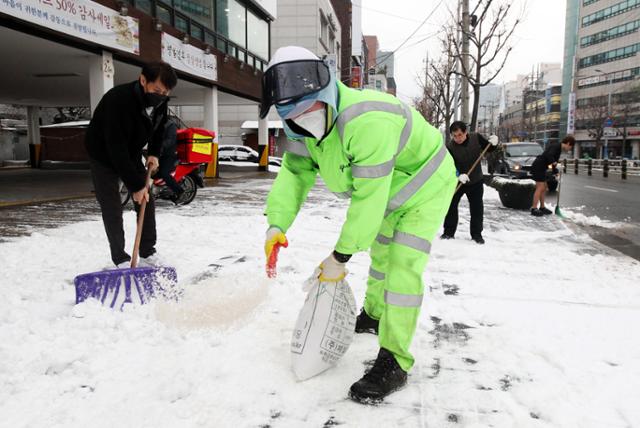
[
  {"x": 199, "y": 10},
  {"x": 143, "y": 5},
  {"x": 258, "y": 37},
  {"x": 231, "y": 21},
  {"x": 163, "y": 14},
  {"x": 181, "y": 24},
  {"x": 197, "y": 31}
]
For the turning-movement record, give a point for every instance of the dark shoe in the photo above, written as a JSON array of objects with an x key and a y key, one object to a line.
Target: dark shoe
[
  {"x": 478, "y": 239},
  {"x": 385, "y": 377},
  {"x": 175, "y": 198},
  {"x": 366, "y": 324},
  {"x": 446, "y": 236},
  {"x": 536, "y": 212},
  {"x": 545, "y": 211}
]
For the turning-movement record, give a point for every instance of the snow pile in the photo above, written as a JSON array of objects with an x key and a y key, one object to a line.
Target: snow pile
[
  {"x": 533, "y": 329},
  {"x": 584, "y": 220}
]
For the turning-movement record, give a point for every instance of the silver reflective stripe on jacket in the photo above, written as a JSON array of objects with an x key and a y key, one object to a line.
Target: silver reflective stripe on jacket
[
  {"x": 355, "y": 110},
  {"x": 297, "y": 148},
  {"x": 412, "y": 241},
  {"x": 406, "y": 300},
  {"x": 373, "y": 171},
  {"x": 383, "y": 239},
  {"x": 406, "y": 239},
  {"x": 376, "y": 275},
  {"x": 413, "y": 186}
]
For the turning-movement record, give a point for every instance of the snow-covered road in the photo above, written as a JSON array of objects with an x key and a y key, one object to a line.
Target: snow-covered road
[{"x": 537, "y": 328}]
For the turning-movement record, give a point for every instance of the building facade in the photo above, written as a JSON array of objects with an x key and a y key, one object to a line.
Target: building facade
[
  {"x": 605, "y": 83},
  {"x": 56, "y": 56}
]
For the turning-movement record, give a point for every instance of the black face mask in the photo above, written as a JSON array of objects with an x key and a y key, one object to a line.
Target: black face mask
[{"x": 154, "y": 100}]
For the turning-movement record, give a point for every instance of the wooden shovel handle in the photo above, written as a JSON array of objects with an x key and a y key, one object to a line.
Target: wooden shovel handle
[
  {"x": 474, "y": 164},
  {"x": 143, "y": 205}
]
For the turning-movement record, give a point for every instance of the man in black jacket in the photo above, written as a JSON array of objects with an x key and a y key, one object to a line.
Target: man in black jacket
[
  {"x": 127, "y": 118},
  {"x": 465, "y": 148}
]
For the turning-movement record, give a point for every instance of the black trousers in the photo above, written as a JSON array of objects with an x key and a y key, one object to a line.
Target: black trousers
[
  {"x": 167, "y": 166},
  {"x": 474, "y": 194},
  {"x": 106, "y": 183}
]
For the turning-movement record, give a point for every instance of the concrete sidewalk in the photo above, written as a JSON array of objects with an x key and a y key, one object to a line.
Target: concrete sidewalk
[{"x": 26, "y": 186}]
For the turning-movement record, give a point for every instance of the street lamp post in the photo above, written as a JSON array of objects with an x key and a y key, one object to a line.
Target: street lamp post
[{"x": 605, "y": 150}]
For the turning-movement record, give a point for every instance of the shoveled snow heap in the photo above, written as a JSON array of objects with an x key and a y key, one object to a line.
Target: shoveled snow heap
[{"x": 534, "y": 329}]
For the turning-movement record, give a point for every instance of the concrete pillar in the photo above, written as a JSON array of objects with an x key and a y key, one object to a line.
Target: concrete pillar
[
  {"x": 33, "y": 135},
  {"x": 635, "y": 149},
  {"x": 576, "y": 151},
  {"x": 211, "y": 123},
  {"x": 100, "y": 77},
  {"x": 263, "y": 143}
]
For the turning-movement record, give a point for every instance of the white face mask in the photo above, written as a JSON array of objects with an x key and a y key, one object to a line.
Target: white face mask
[{"x": 314, "y": 122}]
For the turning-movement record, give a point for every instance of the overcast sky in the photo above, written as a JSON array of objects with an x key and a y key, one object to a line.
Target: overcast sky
[{"x": 539, "y": 38}]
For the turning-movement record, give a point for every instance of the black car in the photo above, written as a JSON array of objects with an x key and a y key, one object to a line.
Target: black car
[{"x": 515, "y": 159}]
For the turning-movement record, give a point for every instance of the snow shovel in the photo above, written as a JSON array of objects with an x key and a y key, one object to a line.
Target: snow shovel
[
  {"x": 557, "y": 210},
  {"x": 117, "y": 287}
]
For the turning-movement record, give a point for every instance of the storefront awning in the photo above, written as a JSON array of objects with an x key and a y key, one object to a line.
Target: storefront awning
[{"x": 253, "y": 124}]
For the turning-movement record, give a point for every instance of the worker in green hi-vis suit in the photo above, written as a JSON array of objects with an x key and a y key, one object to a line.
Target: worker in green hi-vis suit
[{"x": 381, "y": 154}]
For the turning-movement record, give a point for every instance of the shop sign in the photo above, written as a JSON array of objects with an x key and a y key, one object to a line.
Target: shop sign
[
  {"x": 79, "y": 18},
  {"x": 356, "y": 77},
  {"x": 571, "y": 116},
  {"x": 609, "y": 132},
  {"x": 188, "y": 58}
]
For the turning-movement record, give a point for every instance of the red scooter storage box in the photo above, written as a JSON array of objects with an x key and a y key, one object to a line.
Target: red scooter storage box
[{"x": 195, "y": 145}]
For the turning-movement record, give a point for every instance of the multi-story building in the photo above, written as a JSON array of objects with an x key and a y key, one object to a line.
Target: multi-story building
[
  {"x": 511, "y": 124},
  {"x": 312, "y": 25},
  {"x": 488, "y": 108},
  {"x": 536, "y": 118},
  {"x": 541, "y": 114},
  {"x": 68, "y": 54},
  {"x": 606, "y": 116}
]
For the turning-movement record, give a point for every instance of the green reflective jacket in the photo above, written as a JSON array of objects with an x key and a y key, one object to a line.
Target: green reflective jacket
[{"x": 380, "y": 153}]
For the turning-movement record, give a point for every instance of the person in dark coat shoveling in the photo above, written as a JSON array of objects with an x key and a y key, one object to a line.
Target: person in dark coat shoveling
[{"x": 127, "y": 118}]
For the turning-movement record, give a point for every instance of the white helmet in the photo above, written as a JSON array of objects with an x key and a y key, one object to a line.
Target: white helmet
[{"x": 293, "y": 72}]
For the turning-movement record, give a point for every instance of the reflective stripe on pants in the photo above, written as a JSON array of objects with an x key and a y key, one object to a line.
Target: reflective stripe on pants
[{"x": 398, "y": 259}]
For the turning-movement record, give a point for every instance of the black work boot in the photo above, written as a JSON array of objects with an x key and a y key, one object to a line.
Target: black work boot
[
  {"x": 366, "y": 324},
  {"x": 385, "y": 377}
]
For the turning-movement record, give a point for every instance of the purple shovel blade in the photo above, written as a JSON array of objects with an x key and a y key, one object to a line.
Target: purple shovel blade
[{"x": 116, "y": 287}]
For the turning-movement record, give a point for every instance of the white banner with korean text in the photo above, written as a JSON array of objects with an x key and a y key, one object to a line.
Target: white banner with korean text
[
  {"x": 79, "y": 18},
  {"x": 188, "y": 58},
  {"x": 571, "y": 114}
]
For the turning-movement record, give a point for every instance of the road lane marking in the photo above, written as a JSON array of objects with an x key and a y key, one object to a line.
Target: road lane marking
[{"x": 601, "y": 188}]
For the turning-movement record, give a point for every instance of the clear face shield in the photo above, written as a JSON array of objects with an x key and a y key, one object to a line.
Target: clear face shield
[{"x": 287, "y": 82}]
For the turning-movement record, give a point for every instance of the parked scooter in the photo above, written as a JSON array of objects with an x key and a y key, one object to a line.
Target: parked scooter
[
  {"x": 187, "y": 175},
  {"x": 194, "y": 149}
]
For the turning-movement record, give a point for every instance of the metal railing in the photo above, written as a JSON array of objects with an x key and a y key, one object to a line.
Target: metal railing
[{"x": 617, "y": 167}]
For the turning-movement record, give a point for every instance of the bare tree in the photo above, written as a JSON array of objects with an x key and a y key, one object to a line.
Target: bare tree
[
  {"x": 592, "y": 117},
  {"x": 438, "y": 97},
  {"x": 489, "y": 39},
  {"x": 628, "y": 105}
]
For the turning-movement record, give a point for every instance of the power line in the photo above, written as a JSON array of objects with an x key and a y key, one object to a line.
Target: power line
[
  {"x": 410, "y": 35},
  {"x": 383, "y": 12}
]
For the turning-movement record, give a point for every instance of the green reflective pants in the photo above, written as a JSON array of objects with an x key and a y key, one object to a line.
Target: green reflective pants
[{"x": 399, "y": 256}]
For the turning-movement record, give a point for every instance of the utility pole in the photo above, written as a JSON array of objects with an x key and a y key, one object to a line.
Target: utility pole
[
  {"x": 464, "y": 93},
  {"x": 456, "y": 89}
]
